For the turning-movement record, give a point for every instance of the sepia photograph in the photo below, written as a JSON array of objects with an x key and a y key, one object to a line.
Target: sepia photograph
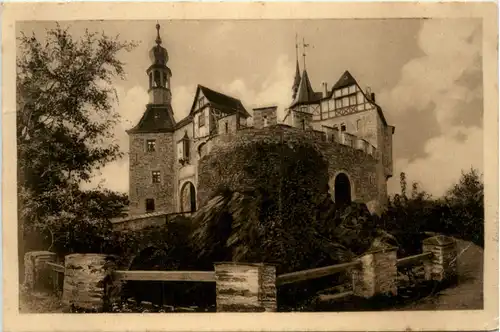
[{"x": 287, "y": 165}]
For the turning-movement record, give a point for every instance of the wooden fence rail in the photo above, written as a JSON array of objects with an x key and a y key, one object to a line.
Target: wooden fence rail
[
  {"x": 412, "y": 260},
  {"x": 319, "y": 272},
  {"x": 195, "y": 276}
]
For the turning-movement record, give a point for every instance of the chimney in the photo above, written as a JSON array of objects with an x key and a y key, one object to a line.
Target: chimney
[
  {"x": 373, "y": 96},
  {"x": 325, "y": 89}
]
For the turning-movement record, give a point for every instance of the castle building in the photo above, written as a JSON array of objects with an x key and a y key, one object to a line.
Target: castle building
[{"x": 164, "y": 154}]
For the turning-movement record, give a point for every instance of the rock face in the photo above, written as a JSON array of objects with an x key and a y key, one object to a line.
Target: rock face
[{"x": 87, "y": 280}]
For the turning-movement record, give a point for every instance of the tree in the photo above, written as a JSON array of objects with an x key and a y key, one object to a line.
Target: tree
[
  {"x": 64, "y": 129},
  {"x": 464, "y": 203}
]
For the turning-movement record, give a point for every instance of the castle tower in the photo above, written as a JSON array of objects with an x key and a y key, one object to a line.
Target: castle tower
[{"x": 151, "y": 156}]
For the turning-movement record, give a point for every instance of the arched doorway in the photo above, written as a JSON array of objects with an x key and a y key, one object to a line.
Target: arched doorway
[
  {"x": 188, "y": 197},
  {"x": 342, "y": 190}
]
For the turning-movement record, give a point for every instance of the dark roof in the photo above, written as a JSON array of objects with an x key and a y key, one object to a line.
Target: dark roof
[
  {"x": 345, "y": 80},
  {"x": 305, "y": 93},
  {"x": 156, "y": 118},
  {"x": 221, "y": 101}
]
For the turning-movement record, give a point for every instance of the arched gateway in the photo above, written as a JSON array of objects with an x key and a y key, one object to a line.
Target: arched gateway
[
  {"x": 188, "y": 197},
  {"x": 342, "y": 190}
]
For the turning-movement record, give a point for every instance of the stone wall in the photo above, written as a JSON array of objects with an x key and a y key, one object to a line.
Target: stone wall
[
  {"x": 86, "y": 281},
  {"x": 360, "y": 167},
  {"x": 142, "y": 163}
]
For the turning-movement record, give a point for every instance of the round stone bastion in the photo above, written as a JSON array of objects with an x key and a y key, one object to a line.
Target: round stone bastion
[{"x": 252, "y": 158}]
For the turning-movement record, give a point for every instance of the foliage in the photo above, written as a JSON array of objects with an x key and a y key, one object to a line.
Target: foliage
[
  {"x": 64, "y": 133},
  {"x": 459, "y": 213}
]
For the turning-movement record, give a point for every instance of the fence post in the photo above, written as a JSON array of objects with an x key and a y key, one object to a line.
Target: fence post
[
  {"x": 242, "y": 287},
  {"x": 86, "y": 281},
  {"x": 376, "y": 274},
  {"x": 36, "y": 273},
  {"x": 442, "y": 266}
]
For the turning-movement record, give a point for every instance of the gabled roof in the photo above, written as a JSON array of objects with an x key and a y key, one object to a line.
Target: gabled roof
[
  {"x": 156, "y": 118},
  {"x": 345, "y": 80},
  {"x": 305, "y": 93},
  {"x": 221, "y": 101}
]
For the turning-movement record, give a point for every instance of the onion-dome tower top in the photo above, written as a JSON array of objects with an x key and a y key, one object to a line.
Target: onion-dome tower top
[{"x": 158, "y": 54}]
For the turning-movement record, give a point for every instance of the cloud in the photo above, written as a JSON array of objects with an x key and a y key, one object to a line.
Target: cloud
[
  {"x": 275, "y": 89},
  {"x": 447, "y": 155},
  {"x": 452, "y": 50}
]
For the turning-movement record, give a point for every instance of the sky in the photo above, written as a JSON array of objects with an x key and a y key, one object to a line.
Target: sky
[{"x": 427, "y": 75}]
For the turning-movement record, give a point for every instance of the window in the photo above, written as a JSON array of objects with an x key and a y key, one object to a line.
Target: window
[
  {"x": 156, "y": 176},
  {"x": 352, "y": 100},
  {"x": 303, "y": 123},
  {"x": 185, "y": 144},
  {"x": 358, "y": 125},
  {"x": 201, "y": 102},
  {"x": 151, "y": 145},
  {"x": 150, "y": 205},
  {"x": 226, "y": 127},
  {"x": 345, "y": 101},
  {"x": 201, "y": 120},
  {"x": 157, "y": 82},
  {"x": 150, "y": 80},
  {"x": 345, "y": 91},
  {"x": 265, "y": 121},
  {"x": 303, "y": 109},
  {"x": 352, "y": 89},
  {"x": 343, "y": 127},
  {"x": 338, "y": 103}
]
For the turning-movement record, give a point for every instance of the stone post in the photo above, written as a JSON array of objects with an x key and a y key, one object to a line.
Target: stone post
[
  {"x": 376, "y": 274},
  {"x": 87, "y": 281},
  {"x": 442, "y": 266},
  {"x": 245, "y": 287},
  {"x": 36, "y": 274}
]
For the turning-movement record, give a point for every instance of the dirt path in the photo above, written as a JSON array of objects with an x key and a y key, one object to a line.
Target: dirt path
[{"x": 468, "y": 294}]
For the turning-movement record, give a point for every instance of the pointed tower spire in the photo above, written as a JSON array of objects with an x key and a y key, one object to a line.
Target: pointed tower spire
[{"x": 296, "y": 81}]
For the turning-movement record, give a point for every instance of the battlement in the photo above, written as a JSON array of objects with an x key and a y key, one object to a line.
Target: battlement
[{"x": 283, "y": 131}]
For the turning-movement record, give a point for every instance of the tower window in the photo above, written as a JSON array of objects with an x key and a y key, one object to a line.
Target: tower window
[
  {"x": 150, "y": 80},
  {"x": 156, "y": 176},
  {"x": 343, "y": 127},
  {"x": 185, "y": 144},
  {"x": 150, "y": 205},
  {"x": 157, "y": 82},
  {"x": 226, "y": 127},
  {"x": 151, "y": 145}
]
